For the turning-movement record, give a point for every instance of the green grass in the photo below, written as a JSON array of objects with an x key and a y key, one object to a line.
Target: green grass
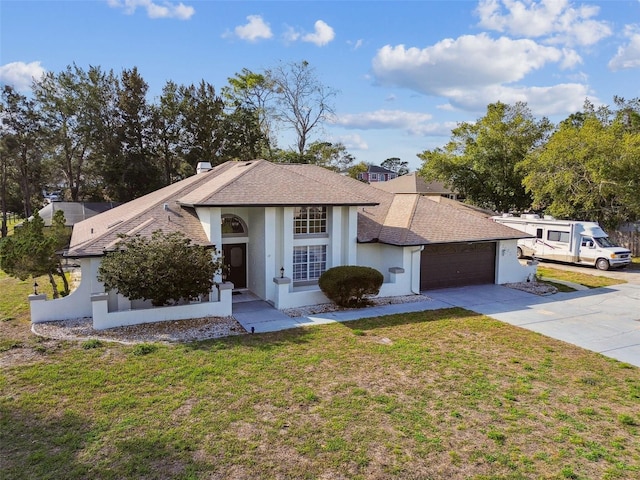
[
  {"x": 439, "y": 394},
  {"x": 591, "y": 281}
]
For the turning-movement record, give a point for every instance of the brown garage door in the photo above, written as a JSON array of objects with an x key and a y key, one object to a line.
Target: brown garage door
[{"x": 455, "y": 265}]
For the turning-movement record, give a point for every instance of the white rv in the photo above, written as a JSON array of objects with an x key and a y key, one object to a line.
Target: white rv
[{"x": 568, "y": 241}]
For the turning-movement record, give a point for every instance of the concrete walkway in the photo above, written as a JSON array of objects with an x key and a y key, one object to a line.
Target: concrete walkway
[{"x": 604, "y": 320}]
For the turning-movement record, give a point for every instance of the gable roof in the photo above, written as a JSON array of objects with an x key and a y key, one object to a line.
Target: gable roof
[
  {"x": 254, "y": 183},
  {"x": 263, "y": 183},
  {"x": 379, "y": 169},
  {"x": 412, "y": 183},
  {"x": 419, "y": 220}
]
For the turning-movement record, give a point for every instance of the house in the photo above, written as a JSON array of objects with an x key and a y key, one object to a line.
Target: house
[
  {"x": 74, "y": 212},
  {"x": 415, "y": 184},
  {"x": 375, "y": 173},
  {"x": 279, "y": 227}
]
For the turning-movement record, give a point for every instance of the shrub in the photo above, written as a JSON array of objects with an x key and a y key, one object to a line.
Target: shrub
[
  {"x": 91, "y": 343},
  {"x": 348, "y": 285},
  {"x": 165, "y": 268},
  {"x": 144, "y": 349}
]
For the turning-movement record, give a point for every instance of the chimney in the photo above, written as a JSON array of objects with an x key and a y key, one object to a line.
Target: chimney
[{"x": 203, "y": 167}]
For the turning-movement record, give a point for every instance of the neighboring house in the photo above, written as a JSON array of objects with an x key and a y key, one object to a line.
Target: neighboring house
[
  {"x": 280, "y": 226},
  {"x": 74, "y": 212},
  {"x": 412, "y": 184},
  {"x": 375, "y": 173}
]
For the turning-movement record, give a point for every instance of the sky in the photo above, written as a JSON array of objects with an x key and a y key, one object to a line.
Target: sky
[{"x": 405, "y": 72}]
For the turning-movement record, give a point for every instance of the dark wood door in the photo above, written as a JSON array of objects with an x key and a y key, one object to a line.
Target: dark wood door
[
  {"x": 455, "y": 265},
  {"x": 235, "y": 261}
]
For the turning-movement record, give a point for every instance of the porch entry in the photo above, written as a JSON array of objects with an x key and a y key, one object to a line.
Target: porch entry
[{"x": 235, "y": 261}]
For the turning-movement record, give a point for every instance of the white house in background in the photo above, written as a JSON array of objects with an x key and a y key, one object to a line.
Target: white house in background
[{"x": 279, "y": 227}]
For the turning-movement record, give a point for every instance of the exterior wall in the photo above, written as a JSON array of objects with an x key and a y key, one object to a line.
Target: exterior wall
[
  {"x": 400, "y": 267},
  {"x": 508, "y": 267},
  {"x": 256, "y": 251},
  {"x": 103, "y": 318},
  {"x": 75, "y": 305}
]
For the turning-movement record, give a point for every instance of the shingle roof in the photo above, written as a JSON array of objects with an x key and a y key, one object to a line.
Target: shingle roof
[
  {"x": 412, "y": 183},
  {"x": 378, "y": 169},
  {"x": 418, "y": 220},
  {"x": 262, "y": 183},
  {"x": 254, "y": 183},
  {"x": 382, "y": 216}
]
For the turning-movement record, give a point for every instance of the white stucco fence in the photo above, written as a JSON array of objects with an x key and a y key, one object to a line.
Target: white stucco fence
[
  {"x": 103, "y": 318},
  {"x": 88, "y": 300}
]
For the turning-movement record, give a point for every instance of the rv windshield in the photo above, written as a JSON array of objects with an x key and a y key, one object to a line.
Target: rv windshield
[{"x": 604, "y": 242}]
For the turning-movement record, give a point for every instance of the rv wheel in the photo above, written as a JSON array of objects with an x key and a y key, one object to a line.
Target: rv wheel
[
  {"x": 602, "y": 264},
  {"x": 519, "y": 253}
]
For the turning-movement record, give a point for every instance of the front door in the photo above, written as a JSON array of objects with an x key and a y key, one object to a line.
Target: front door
[{"x": 235, "y": 256}]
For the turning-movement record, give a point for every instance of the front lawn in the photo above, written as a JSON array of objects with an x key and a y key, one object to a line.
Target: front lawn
[
  {"x": 440, "y": 394},
  {"x": 588, "y": 280}
]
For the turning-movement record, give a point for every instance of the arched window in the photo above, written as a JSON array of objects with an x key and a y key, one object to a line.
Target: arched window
[{"x": 233, "y": 226}]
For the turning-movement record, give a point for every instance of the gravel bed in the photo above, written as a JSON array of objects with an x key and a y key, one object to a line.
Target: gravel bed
[
  {"x": 169, "y": 331},
  {"x": 332, "y": 307},
  {"x": 533, "y": 287}
]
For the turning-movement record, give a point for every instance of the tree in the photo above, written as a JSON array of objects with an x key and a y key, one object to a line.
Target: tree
[
  {"x": 165, "y": 268},
  {"x": 75, "y": 106},
  {"x": 31, "y": 251},
  {"x": 333, "y": 156},
  {"x": 254, "y": 92},
  {"x": 168, "y": 133},
  {"x": 589, "y": 169},
  {"x": 396, "y": 165},
  {"x": 480, "y": 160},
  {"x": 302, "y": 101},
  {"x": 137, "y": 172},
  {"x": 203, "y": 121},
  {"x": 22, "y": 134},
  {"x": 357, "y": 169}
]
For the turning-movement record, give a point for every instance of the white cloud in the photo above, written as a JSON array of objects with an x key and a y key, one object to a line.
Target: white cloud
[
  {"x": 466, "y": 63},
  {"x": 322, "y": 35},
  {"x": 381, "y": 119},
  {"x": 290, "y": 35},
  {"x": 352, "y": 142},
  {"x": 547, "y": 101},
  {"x": 20, "y": 74},
  {"x": 628, "y": 56},
  {"x": 155, "y": 10},
  {"x": 355, "y": 45},
  {"x": 413, "y": 123},
  {"x": 557, "y": 21},
  {"x": 254, "y": 30}
]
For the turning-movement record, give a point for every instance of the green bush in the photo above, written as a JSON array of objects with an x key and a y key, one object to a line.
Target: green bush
[
  {"x": 144, "y": 349},
  {"x": 347, "y": 285}
]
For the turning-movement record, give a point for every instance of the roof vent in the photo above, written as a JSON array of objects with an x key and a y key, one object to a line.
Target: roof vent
[{"x": 203, "y": 167}]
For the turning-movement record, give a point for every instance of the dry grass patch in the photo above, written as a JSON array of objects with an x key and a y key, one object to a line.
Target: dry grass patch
[{"x": 439, "y": 394}]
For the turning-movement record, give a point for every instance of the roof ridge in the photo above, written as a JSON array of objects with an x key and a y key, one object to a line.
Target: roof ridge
[
  {"x": 232, "y": 178},
  {"x": 322, "y": 180}
]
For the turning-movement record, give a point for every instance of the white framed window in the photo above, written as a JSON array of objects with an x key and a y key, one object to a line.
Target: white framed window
[
  {"x": 309, "y": 220},
  {"x": 309, "y": 262}
]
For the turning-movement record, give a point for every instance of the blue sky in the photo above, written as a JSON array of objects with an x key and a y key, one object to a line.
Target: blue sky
[{"x": 406, "y": 71}]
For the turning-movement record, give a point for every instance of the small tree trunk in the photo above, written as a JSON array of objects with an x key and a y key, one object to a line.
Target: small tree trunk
[
  {"x": 53, "y": 284},
  {"x": 64, "y": 278}
]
